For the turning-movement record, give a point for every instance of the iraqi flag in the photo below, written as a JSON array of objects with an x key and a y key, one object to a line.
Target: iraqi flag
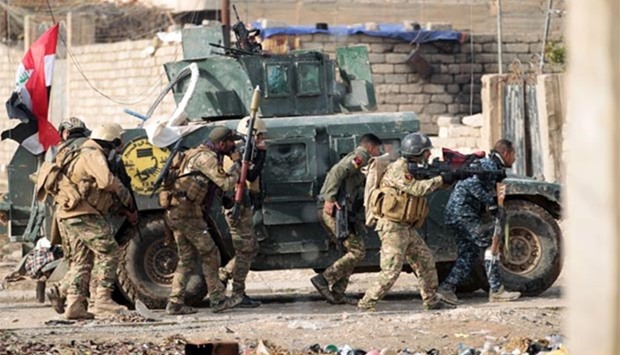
[{"x": 30, "y": 101}]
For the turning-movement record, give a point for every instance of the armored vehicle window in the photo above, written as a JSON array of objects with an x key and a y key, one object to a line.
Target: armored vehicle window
[
  {"x": 286, "y": 162},
  {"x": 277, "y": 80},
  {"x": 308, "y": 79}
]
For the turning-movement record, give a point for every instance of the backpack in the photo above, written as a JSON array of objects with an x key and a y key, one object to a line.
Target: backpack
[
  {"x": 372, "y": 199},
  {"x": 52, "y": 179}
]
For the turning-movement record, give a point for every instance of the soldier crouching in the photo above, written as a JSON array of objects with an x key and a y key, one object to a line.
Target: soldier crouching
[
  {"x": 200, "y": 177},
  {"x": 87, "y": 194}
]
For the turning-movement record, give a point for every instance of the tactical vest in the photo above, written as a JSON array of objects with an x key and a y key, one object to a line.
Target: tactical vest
[
  {"x": 52, "y": 179},
  {"x": 184, "y": 184},
  {"x": 398, "y": 206}
]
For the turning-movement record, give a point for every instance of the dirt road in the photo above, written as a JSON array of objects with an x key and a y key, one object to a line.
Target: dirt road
[{"x": 293, "y": 317}]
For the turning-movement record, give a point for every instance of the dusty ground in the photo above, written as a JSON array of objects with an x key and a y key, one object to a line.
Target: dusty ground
[{"x": 292, "y": 317}]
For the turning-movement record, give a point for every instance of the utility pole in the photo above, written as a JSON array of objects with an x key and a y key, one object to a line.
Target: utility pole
[{"x": 499, "y": 37}]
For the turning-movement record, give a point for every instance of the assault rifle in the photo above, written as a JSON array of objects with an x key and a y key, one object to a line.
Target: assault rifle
[
  {"x": 164, "y": 171},
  {"x": 436, "y": 168},
  {"x": 247, "y": 155},
  {"x": 342, "y": 215},
  {"x": 117, "y": 166},
  {"x": 243, "y": 36},
  {"x": 498, "y": 225}
]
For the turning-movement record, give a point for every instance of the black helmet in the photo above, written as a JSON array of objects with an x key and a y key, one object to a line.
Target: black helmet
[{"x": 414, "y": 144}]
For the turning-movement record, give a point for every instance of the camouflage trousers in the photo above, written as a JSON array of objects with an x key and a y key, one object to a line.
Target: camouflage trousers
[
  {"x": 339, "y": 273},
  {"x": 92, "y": 250},
  {"x": 246, "y": 249},
  {"x": 472, "y": 237},
  {"x": 65, "y": 282},
  {"x": 193, "y": 241},
  {"x": 400, "y": 242}
]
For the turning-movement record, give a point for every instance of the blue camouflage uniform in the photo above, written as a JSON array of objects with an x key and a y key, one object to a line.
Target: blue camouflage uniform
[{"x": 470, "y": 198}]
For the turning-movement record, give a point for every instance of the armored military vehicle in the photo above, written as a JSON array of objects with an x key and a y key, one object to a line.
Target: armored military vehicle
[{"x": 315, "y": 109}]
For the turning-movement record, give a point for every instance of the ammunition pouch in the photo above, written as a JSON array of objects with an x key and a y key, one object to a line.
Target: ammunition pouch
[
  {"x": 68, "y": 196},
  {"x": 398, "y": 206},
  {"x": 190, "y": 187}
]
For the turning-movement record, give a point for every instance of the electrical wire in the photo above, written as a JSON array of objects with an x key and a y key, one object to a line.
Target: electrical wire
[
  {"x": 141, "y": 97},
  {"x": 471, "y": 61}
]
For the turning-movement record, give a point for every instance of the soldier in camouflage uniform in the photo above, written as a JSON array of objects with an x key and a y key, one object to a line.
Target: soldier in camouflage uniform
[
  {"x": 82, "y": 222},
  {"x": 241, "y": 229},
  {"x": 73, "y": 134},
  {"x": 347, "y": 175},
  {"x": 399, "y": 238},
  {"x": 469, "y": 199},
  {"x": 201, "y": 176}
]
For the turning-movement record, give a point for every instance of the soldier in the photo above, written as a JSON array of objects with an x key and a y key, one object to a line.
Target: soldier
[
  {"x": 347, "y": 175},
  {"x": 82, "y": 222},
  {"x": 201, "y": 176},
  {"x": 403, "y": 208},
  {"x": 463, "y": 213},
  {"x": 73, "y": 134},
  {"x": 241, "y": 230}
]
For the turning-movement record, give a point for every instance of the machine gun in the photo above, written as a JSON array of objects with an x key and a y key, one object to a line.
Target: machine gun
[
  {"x": 243, "y": 36},
  {"x": 247, "y": 155},
  {"x": 234, "y": 52},
  {"x": 436, "y": 168}
]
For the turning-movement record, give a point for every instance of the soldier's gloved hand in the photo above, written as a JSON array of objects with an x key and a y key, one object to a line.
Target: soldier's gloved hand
[
  {"x": 132, "y": 217},
  {"x": 449, "y": 177},
  {"x": 497, "y": 212},
  {"x": 227, "y": 202},
  {"x": 235, "y": 156}
]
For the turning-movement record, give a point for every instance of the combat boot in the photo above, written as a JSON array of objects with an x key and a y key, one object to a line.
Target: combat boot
[
  {"x": 440, "y": 303},
  {"x": 321, "y": 285},
  {"x": 448, "y": 295},
  {"x": 340, "y": 298},
  {"x": 243, "y": 301},
  {"x": 56, "y": 299},
  {"x": 104, "y": 305},
  {"x": 220, "y": 305},
  {"x": 179, "y": 308},
  {"x": 502, "y": 295},
  {"x": 75, "y": 308},
  {"x": 366, "y": 307}
]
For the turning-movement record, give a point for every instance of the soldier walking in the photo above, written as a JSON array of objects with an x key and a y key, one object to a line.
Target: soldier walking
[
  {"x": 241, "y": 229},
  {"x": 463, "y": 213},
  {"x": 85, "y": 197},
  {"x": 201, "y": 177},
  {"x": 347, "y": 175},
  {"x": 403, "y": 207}
]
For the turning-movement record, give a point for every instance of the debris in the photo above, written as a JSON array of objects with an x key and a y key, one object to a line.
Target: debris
[
  {"x": 59, "y": 322},
  {"x": 262, "y": 349},
  {"x": 145, "y": 312}
]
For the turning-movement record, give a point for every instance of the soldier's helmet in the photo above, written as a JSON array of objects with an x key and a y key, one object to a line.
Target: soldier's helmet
[
  {"x": 107, "y": 132},
  {"x": 414, "y": 144},
  {"x": 70, "y": 124},
  {"x": 259, "y": 126}
]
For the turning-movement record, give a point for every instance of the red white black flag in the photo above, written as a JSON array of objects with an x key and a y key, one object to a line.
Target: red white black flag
[{"x": 30, "y": 100}]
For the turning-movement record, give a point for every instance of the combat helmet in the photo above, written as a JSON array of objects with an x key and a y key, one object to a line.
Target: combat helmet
[
  {"x": 414, "y": 144},
  {"x": 108, "y": 132},
  {"x": 70, "y": 124},
  {"x": 259, "y": 126}
]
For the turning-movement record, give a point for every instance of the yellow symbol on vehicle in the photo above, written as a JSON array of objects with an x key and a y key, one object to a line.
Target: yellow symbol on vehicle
[{"x": 143, "y": 163}]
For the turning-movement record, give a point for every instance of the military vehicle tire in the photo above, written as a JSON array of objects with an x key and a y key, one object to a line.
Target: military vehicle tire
[
  {"x": 147, "y": 265},
  {"x": 535, "y": 249}
]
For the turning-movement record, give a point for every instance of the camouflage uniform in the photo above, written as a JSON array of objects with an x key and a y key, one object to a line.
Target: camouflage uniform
[
  {"x": 400, "y": 241},
  {"x": 88, "y": 234},
  {"x": 469, "y": 198},
  {"x": 345, "y": 174},
  {"x": 187, "y": 221}
]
